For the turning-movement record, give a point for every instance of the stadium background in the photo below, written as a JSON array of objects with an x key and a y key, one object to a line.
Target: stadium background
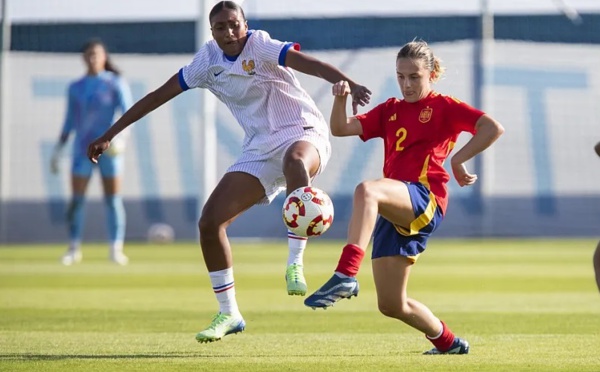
[{"x": 541, "y": 80}]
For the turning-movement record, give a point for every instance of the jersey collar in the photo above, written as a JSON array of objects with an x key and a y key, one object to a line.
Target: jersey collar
[{"x": 234, "y": 58}]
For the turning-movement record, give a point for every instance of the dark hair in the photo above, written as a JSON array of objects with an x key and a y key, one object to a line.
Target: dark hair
[
  {"x": 108, "y": 66},
  {"x": 420, "y": 50},
  {"x": 225, "y": 5}
]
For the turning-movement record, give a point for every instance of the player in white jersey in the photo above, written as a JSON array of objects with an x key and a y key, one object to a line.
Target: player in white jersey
[{"x": 286, "y": 139}]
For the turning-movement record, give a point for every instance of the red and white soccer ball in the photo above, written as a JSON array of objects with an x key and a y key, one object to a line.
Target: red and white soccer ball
[{"x": 308, "y": 211}]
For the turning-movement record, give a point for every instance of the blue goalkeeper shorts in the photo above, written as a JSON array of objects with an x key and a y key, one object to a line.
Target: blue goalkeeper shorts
[{"x": 110, "y": 166}]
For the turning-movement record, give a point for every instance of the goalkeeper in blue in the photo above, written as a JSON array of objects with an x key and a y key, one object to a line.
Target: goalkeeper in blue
[{"x": 93, "y": 101}]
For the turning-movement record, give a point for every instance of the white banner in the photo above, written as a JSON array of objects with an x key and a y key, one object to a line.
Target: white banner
[{"x": 546, "y": 96}]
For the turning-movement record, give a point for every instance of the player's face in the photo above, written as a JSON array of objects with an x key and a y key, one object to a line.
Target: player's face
[
  {"x": 95, "y": 58},
  {"x": 229, "y": 30},
  {"x": 413, "y": 79}
]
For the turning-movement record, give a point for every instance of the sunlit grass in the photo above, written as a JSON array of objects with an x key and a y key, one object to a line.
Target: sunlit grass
[{"x": 525, "y": 305}]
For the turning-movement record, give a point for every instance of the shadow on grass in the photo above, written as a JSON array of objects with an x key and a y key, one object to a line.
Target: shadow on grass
[
  {"x": 26, "y": 357},
  {"x": 51, "y": 357}
]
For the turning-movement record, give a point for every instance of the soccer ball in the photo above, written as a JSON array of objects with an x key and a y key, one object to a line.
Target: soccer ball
[
  {"x": 308, "y": 211},
  {"x": 161, "y": 233}
]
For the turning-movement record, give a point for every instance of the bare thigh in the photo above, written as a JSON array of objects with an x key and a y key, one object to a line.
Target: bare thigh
[
  {"x": 386, "y": 197},
  {"x": 393, "y": 200},
  {"x": 300, "y": 164},
  {"x": 235, "y": 193}
]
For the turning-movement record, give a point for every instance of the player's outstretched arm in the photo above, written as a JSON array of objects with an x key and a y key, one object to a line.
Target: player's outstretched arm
[
  {"x": 141, "y": 108},
  {"x": 341, "y": 124},
  {"x": 488, "y": 131},
  {"x": 309, "y": 65}
]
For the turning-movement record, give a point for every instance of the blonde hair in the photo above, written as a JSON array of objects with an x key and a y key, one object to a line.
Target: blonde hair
[{"x": 420, "y": 50}]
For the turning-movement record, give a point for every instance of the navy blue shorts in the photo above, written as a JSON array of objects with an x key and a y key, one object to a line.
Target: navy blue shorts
[{"x": 393, "y": 240}]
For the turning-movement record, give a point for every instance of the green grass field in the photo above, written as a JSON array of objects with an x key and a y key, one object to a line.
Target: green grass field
[{"x": 524, "y": 305}]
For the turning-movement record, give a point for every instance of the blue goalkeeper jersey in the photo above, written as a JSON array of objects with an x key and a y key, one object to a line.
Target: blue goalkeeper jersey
[{"x": 92, "y": 103}]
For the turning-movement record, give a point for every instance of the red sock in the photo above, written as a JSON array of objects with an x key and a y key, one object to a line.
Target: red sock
[
  {"x": 352, "y": 256},
  {"x": 444, "y": 342}
]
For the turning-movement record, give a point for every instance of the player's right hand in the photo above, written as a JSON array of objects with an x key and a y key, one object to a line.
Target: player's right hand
[
  {"x": 97, "y": 148},
  {"x": 55, "y": 159},
  {"x": 341, "y": 88}
]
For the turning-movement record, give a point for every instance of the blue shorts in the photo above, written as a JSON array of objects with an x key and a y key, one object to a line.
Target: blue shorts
[
  {"x": 393, "y": 240},
  {"x": 110, "y": 166}
]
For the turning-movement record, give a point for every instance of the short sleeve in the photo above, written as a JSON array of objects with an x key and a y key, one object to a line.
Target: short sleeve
[
  {"x": 194, "y": 75},
  {"x": 371, "y": 122},
  {"x": 271, "y": 50},
  {"x": 462, "y": 116}
]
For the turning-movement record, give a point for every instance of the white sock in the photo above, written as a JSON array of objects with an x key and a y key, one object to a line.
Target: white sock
[
  {"x": 439, "y": 334},
  {"x": 116, "y": 247},
  {"x": 223, "y": 286},
  {"x": 74, "y": 245},
  {"x": 296, "y": 245}
]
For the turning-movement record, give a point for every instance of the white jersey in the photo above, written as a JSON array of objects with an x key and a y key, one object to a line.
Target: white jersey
[{"x": 264, "y": 96}]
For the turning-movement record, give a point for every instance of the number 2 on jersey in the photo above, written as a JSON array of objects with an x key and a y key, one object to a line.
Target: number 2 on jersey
[{"x": 401, "y": 134}]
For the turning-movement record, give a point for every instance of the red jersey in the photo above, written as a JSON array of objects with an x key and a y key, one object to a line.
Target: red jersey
[{"x": 418, "y": 137}]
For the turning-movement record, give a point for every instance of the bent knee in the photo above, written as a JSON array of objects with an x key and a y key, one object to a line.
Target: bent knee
[
  {"x": 364, "y": 191},
  {"x": 210, "y": 224}
]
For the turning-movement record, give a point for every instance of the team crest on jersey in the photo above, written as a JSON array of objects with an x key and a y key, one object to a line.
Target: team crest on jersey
[
  {"x": 425, "y": 115},
  {"x": 249, "y": 67}
]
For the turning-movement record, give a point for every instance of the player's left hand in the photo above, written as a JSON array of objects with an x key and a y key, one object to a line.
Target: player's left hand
[
  {"x": 361, "y": 95},
  {"x": 462, "y": 175},
  {"x": 341, "y": 88}
]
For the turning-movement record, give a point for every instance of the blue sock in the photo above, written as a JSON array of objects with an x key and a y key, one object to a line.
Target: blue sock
[
  {"x": 115, "y": 218},
  {"x": 75, "y": 217}
]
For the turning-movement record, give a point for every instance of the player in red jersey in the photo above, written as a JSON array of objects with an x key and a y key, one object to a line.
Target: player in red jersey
[
  {"x": 418, "y": 132},
  {"x": 597, "y": 252}
]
